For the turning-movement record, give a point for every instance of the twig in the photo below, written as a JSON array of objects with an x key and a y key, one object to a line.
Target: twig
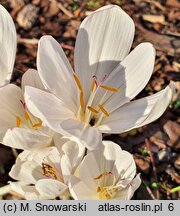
[
  {"x": 154, "y": 167},
  {"x": 65, "y": 46},
  {"x": 165, "y": 188},
  {"x": 157, "y": 4},
  {"x": 149, "y": 191},
  {"x": 64, "y": 10},
  {"x": 27, "y": 41}
]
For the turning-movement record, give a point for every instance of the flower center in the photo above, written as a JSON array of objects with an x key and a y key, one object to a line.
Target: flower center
[
  {"x": 49, "y": 172},
  {"x": 28, "y": 120},
  {"x": 106, "y": 188},
  {"x": 89, "y": 113}
]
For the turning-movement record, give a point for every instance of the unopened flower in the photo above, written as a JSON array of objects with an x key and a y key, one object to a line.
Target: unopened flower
[
  {"x": 105, "y": 174},
  {"x": 44, "y": 173},
  {"x": 7, "y": 46},
  {"x": 95, "y": 99}
]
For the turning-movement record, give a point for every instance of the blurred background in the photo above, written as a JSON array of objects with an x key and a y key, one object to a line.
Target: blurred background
[{"x": 155, "y": 147}]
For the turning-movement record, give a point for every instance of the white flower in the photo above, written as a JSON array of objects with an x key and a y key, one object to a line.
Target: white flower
[
  {"x": 7, "y": 45},
  {"x": 19, "y": 128},
  {"x": 44, "y": 173},
  {"x": 95, "y": 99},
  {"x": 105, "y": 174}
]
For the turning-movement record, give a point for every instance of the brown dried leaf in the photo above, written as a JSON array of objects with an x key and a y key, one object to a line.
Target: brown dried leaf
[
  {"x": 173, "y": 131},
  {"x": 173, "y": 3},
  {"x": 53, "y": 8},
  {"x": 159, "y": 142},
  {"x": 77, "y": 12},
  {"x": 142, "y": 163}
]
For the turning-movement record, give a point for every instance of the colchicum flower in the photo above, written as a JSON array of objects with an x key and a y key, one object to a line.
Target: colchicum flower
[
  {"x": 18, "y": 127},
  {"x": 105, "y": 174},
  {"x": 45, "y": 173},
  {"x": 95, "y": 99}
]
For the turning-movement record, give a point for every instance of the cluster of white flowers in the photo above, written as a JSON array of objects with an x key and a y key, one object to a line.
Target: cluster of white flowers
[{"x": 58, "y": 115}]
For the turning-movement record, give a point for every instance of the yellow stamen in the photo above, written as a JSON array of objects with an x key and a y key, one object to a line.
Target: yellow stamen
[
  {"x": 26, "y": 116},
  {"x": 81, "y": 100},
  {"x": 18, "y": 121},
  {"x": 106, "y": 189},
  {"x": 38, "y": 125},
  {"x": 92, "y": 109},
  {"x": 98, "y": 189},
  {"x": 48, "y": 171},
  {"x": 102, "y": 174},
  {"x": 109, "y": 88},
  {"x": 103, "y": 110},
  {"x": 93, "y": 85},
  {"x": 77, "y": 82}
]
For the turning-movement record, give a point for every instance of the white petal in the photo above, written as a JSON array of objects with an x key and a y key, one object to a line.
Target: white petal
[
  {"x": 130, "y": 77},
  {"x": 26, "y": 139},
  {"x": 128, "y": 192},
  {"x": 106, "y": 156},
  {"x": 50, "y": 188},
  {"x": 3, "y": 66},
  {"x": 29, "y": 192},
  {"x": 73, "y": 154},
  {"x": 89, "y": 136},
  {"x": 88, "y": 170},
  {"x": 124, "y": 166},
  {"x": 160, "y": 107},
  {"x": 10, "y": 107},
  {"x": 47, "y": 107},
  {"x": 138, "y": 113},
  {"x": 80, "y": 191},
  {"x": 55, "y": 71},
  {"x": 110, "y": 150},
  {"x": 103, "y": 40},
  {"x": 136, "y": 182},
  {"x": 8, "y": 39},
  {"x": 31, "y": 78},
  {"x": 59, "y": 141},
  {"x": 25, "y": 170}
]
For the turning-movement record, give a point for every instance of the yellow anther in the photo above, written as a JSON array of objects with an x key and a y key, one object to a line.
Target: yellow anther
[
  {"x": 48, "y": 171},
  {"x": 102, "y": 174},
  {"x": 93, "y": 85},
  {"x": 38, "y": 125},
  {"x": 92, "y": 109},
  {"x": 103, "y": 110},
  {"x": 109, "y": 88},
  {"x": 26, "y": 116},
  {"x": 77, "y": 82},
  {"x": 98, "y": 189},
  {"x": 106, "y": 189},
  {"x": 81, "y": 100},
  {"x": 18, "y": 121}
]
